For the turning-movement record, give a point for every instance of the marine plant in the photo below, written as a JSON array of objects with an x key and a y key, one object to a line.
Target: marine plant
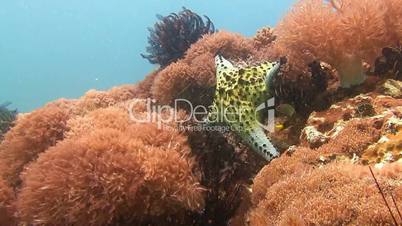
[
  {"x": 6, "y": 204},
  {"x": 390, "y": 63},
  {"x": 31, "y": 135},
  {"x": 264, "y": 37},
  {"x": 94, "y": 99},
  {"x": 123, "y": 173},
  {"x": 35, "y": 132},
  {"x": 329, "y": 195},
  {"x": 343, "y": 33},
  {"x": 174, "y": 34},
  {"x": 7, "y": 118}
]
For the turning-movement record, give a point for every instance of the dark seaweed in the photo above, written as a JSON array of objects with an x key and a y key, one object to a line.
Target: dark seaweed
[
  {"x": 7, "y": 118},
  {"x": 303, "y": 91},
  {"x": 390, "y": 62},
  {"x": 173, "y": 35}
]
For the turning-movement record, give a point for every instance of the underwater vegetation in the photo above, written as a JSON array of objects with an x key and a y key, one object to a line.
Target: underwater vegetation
[
  {"x": 343, "y": 33},
  {"x": 174, "y": 34},
  {"x": 86, "y": 162},
  {"x": 390, "y": 63},
  {"x": 147, "y": 177},
  {"x": 7, "y": 118},
  {"x": 325, "y": 180}
]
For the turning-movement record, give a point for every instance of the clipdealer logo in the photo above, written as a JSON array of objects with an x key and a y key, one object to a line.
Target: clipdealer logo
[{"x": 166, "y": 114}]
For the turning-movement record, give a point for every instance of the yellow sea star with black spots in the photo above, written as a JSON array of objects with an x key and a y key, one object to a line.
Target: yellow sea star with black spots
[{"x": 240, "y": 95}]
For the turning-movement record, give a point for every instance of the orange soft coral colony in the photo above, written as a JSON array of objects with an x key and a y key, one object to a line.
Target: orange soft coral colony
[
  {"x": 6, "y": 207},
  {"x": 344, "y": 33},
  {"x": 334, "y": 194},
  {"x": 32, "y": 135},
  {"x": 103, "y": 175}
]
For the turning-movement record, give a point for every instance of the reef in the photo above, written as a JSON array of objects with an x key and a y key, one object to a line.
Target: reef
[
  {"x": 174, "y": 34},
  {"x": 337, "y": 132},
  {"x": 120, "y": 170},
  {"x": 326, "y": 180},
  {"x": 343, "y": 33}
]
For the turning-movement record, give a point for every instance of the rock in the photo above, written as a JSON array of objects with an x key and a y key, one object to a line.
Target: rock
[
  {"x": 391, "y": 88},
  {"x": 314, "y": 137},
  {"x": 328, "y": 169}
]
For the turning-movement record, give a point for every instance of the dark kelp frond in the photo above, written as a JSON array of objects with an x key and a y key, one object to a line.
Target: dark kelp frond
[
  {"x": 174, "y": 34},
  {"x": 7, "y": 117}
]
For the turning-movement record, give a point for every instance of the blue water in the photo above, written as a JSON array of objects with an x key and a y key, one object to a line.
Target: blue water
[{"x": 62, "y": 48}]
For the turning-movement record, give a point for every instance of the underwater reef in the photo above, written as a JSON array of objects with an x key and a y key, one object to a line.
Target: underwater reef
[
  {"x": 343, "y": 33},
  {"x": 326, "y": 179},
  {"x": 338, "y": 133}
]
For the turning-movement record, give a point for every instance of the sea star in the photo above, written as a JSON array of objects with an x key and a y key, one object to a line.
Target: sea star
[{"x": 240, "y": 95}]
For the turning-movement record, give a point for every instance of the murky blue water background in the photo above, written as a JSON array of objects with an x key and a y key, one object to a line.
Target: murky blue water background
[{"x": 62, "y": 48}]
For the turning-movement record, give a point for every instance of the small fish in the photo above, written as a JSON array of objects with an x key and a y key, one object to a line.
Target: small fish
[
  {"x": 286, "y": 109},
  {"x": 279, "y": 126}
]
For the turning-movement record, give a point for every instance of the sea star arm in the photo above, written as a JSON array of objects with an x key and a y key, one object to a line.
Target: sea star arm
[
  {"x": 251, "y": 131},
  {"x": 225, "y": 72}
]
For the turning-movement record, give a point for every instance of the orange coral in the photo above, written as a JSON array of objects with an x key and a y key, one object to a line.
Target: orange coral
[
  {"x": 157, "y": 179},
  {"x": 228, "y": 44},
  {"x": 264, "y": 38},
  {"x": 344, "y": 34},
  {"x": 302, "y": 160},
  {"x": 171, "y": 82},
  {"x": 363, "y": 27},
  {"x": 354, "y": 138},
  {"x": 320, "y": 186},
  {"x": 116, "y": 176},
  {"x": 94, "y": 99},
  {"x": 364, "y": 116},
  {"x": 331, "y": 195},
  {"x": 31, "y": 135},
  {"x": 143, "y": 88},
  {"x": 112, "y": 117},
  {"x": 302, "y": 31},
  {"x": 6, "y": 202},
  {"x": 394, "y": 18}
]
